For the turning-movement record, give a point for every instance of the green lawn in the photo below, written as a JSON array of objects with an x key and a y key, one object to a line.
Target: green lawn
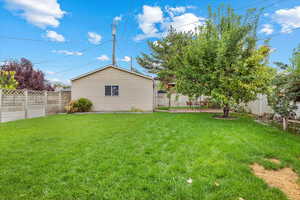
[{"x": 140, "y": 156}]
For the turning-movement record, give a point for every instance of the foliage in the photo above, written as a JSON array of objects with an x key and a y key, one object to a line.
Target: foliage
[
  {"x": 145, "y": 156},
  {"x": 59, "y": 85},
  {"x": 224, "y": 62},
  {"x": 80, "y": 105},
  {"x": 7, "y": 80},
  {"x": 161, "y": 61},
  {"x": 26, "y": 75},
  {"x": 134, "y": 109},
  {"x": 286, "y": 88}
]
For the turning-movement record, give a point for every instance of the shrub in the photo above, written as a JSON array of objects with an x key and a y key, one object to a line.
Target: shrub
[
  {"x": 80, "y": 105},
  {"x": 133, "y": 109}
]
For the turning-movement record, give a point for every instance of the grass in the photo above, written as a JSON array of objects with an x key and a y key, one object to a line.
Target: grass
[{"x": 140, "y": 157}]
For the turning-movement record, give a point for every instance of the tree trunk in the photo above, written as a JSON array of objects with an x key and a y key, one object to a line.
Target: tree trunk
[
  {"x": 169, "y": 102},
  {"x": 284, "y": 123},
  {"x": 226, "y": 111}
]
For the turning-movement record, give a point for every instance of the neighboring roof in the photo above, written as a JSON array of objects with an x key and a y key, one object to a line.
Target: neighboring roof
[{"x": 110, "y": 66}]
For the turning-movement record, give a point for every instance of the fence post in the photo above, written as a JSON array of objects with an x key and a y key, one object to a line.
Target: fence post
[
  {"x": 0, "y": 105},
  {"x": 59, "y": 102},
  {"x": 46, "y": 102},
  {"x": 26, "y": 103},
  {"x": 260, "y": 104}
]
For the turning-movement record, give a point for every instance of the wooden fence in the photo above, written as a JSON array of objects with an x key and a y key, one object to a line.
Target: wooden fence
[{"x": 25, "y": 104}]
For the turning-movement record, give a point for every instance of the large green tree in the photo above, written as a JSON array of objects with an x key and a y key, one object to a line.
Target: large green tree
[
  {"x": 224, "y": 60},
  {"x": 161, "y": 61},
  {"x": 286, "y": 88}
]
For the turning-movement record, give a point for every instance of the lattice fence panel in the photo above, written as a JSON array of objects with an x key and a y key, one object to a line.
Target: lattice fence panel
[
  {"x": 13, "y": 100},
  {"x": 36, "y": 97},
  {"x": 21, "y": 104}
]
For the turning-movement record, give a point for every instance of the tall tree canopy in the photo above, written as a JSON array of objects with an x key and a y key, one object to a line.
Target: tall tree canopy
[
  {"x": 221, "y": 59},
  {"x": 26, "y": 75},
  {"x": 224, "y": 61},
  {"x": 162, "y": 61}
]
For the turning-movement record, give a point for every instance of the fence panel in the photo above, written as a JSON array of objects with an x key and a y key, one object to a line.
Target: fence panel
[
  {"x": 22, "y": 104},
  {"x": 35, "y": 104},
  {"x": 12, "y": 105}
]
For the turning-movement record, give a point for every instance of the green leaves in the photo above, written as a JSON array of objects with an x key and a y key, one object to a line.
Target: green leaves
[
  {"x": 223, "y": 60},
  {"x": 286, "y": 90},
  {"x": 7, "y": 80}
]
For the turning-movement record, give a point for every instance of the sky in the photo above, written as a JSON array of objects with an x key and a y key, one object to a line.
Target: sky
[{"x": 67, "y": 38}]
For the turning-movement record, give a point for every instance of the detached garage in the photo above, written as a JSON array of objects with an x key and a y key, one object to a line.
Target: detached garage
[{"x": 115, "y": 89}]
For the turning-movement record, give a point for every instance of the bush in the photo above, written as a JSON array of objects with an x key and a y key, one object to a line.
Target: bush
[
  {"x": 133, "y": 109},
  {"x": 80, "y": 105}
]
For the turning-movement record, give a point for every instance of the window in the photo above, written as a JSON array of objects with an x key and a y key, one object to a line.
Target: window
[
  {"x": 111, "y": 90},
  {"x": 115, "y": 90}
]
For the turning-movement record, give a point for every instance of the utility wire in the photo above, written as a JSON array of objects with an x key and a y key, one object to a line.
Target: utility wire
[
  {"x": 267, "y": 6},
  {"x": 72, "y": 68},
  {"x": 83, "y": 50}
]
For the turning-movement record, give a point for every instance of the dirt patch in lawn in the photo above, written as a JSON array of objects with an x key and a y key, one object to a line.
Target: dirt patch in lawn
[
  {"x": 225, "y": 118},
  {"x": 274, "y": 160},
  {"x": 285, "y": 179}
]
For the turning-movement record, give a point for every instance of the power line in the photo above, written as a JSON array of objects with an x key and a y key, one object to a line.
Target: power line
[
  {"x": 32, "y": 39},
  {"x": 267, "y": 6},
  {"x": 20, "y": 38},
  {"x": 72, "y": 68},
  {"x": 83, "y": 50},
  {"x": 278, "y": 34}
]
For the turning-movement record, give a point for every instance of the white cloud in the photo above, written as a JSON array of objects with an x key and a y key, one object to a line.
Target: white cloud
[
  {"x": 266, "y": 14},
  {"x": 118, "y": 18},
  {"x": 94, "y": 38},
  {"x": 103, "y": 57},
  {"x": 50, "y": 73},
  {"x": 185, "y": 22},
  {"x": 154, "y": 25},
  {"x": 148, "y": 20},
  {"x": 173, "y": 11},
  {"x": 126, "y": 59},
  {"x": 54, "y": 36},
  {"x": 66, "y": 52},
  {"x": 289, "y": 19},
  {"x": 273, "y": 50},
  {"x": 267, "y": 29},
  {"x": 41, "y": 13}
]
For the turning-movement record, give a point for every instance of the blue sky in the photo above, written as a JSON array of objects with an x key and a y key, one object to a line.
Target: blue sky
[{"x": 67, "y": 38}]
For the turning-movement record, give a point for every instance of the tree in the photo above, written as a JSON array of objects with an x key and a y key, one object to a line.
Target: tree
[
  {"x": 286, "y": 89},
  {"x": 224, "y": 61},
  {"x": 59, "y": 86},
  {"x": 26, "y": 75},
  {"x": 7, "y": 80},
  {"x": 161, "y": 60}
]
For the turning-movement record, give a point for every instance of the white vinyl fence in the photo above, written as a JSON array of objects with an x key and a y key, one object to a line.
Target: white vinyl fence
[
  {"x": 176, "y": 100},
  {"x": 25, "y": 104},
  {"x": 260, "y": 106}
]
